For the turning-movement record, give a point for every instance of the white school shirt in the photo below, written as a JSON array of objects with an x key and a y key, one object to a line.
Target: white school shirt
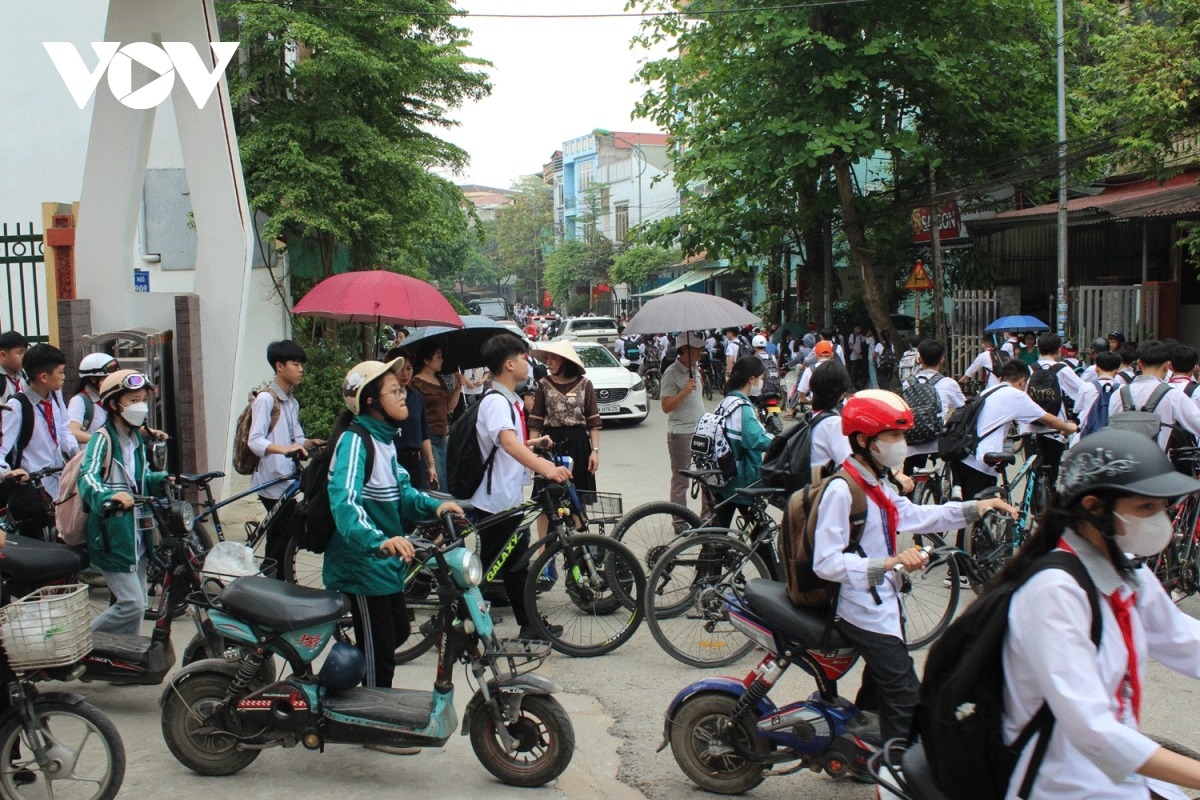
[
  {"x": 11, "y": 384},
  {"x": 829, "y": 444},
  {"x": 1175, "y": 407},
  {"x": 1010, "y": 347},
  {"x": 856, "y": 603},
  {"x": 983, "y": 361},
  {"x": 500, "y": 411},
  {"x": 951, "y": 395},
  {"x": 1180, "y": 382},
  {"x": 1088, "y": 395},
  {"x": 287, "y": 431},
  {"x": 1088, "y": 373},
  {"x": 1049, "y": 657},
  {"x": 855, "y": 340},
  {"x": 1070, "y": 384},
  {"x": 42, "y": 451},
  {"x": 76, "y": 410},
  {"x": 732, "y": 348},
  {"x": 1002, "y": 406},
  {"x": 805, "y": 381}
]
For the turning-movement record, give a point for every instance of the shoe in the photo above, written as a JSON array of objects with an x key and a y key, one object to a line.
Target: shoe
[
  {"x": 24, "y": 777},
  {"x": 394, "y": 751},
  {"x": 962, "y": 582},
  {"x": 530, "y": 632}
]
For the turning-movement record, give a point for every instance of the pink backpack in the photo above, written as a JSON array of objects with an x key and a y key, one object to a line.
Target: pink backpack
[{"x": 70, "y": 516}]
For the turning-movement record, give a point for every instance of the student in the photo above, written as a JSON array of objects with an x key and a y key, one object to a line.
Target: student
[
  {"x": 1052, "y": 447},
  {"x": 829, "y": 446},
  {"x": 1012, "y": 344},
  {"x": 990, "y": 362},
  {"x": 1096, "y": 392},
  {"x": 84, "y": 414},
  {"x": 933, "y": 357},
  {"x": 823, "y": 353},
  {"x": 1097, "y": 347},
  {"x": 414, "y": 450},
  {"x": 747, "y": 437},
  {"x": 1070, "y": 355},
  {"x": 1183, "y": 367},
  {"x": 501, "y": 428},
  {"x": 1116, "y": 340},
  {"x": 856, "y": 342},
  {"x": 275, "y": 445},
  {"x": 1111, "y": 501},
  {"x": 1175, "y": 407},
  {"x": 12, "y": 353},
  {"x": 117, "y": 542},
  {"x": 370, "y": 513},
  {"x": 733, "y": 349},
  {"x": 868, "y": 607},
  {"x": 1129, "y": 360},
  {"x": 910, "y": 361}
]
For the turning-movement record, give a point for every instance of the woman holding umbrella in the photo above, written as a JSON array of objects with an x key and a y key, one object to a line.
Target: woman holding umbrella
[{"x": 564, "y": 408}]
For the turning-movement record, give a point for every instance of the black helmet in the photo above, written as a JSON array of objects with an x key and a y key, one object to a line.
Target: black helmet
[
  {"x": 1120, "y": 461},
  {"x": 1099, "y": 345},
  {"x": 344, "y": 667}
]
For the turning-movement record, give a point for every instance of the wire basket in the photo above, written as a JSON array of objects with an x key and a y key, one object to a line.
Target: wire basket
[
  {"x": 602, "y": 506},
  {"x": 49, "y": 628}
]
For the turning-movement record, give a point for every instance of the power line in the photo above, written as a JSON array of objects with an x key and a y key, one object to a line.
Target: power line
[{"x": 617, "y": 15}]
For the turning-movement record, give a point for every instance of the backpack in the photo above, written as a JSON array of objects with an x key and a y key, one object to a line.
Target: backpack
[
  {"x": 70, "y": 512},
  {"x": 312, "y": 521},
  {"x": 1097, "y": 417},
  {"x": 999, "y": 359},
  {"x": 1140, "y": 420},
  {"x": 25, "y": 435},
  {"x": 1128, "y": 375},
  {"x": 922, "y": 397},
  {"x": 771, "y": 376},
  {"x": 787, "y": 464},
  {"x": 89, "y": 411},
  {"x": 244, "y": 459},
  {"x": 887, "y": 360},
  {"x": 710, "y": 443},
  {"x": 466, "y": 467},
  {"x": 908, "y": 365},
  {"x": 962, "y": 437},
  {"x": 958, "y": 718},
  {"x": 1044, "y": 388},
  {"x": 797, "y": 541}
]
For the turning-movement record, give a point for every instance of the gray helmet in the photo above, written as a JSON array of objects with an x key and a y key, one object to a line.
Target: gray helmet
[
  {"x": 1120, "y": 461},
  {"x": 1100, "y": 345}
]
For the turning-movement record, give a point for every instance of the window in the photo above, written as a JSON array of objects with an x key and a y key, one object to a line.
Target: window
[
  {"x": 594, "y": 357},
  {"x": 622, "y": 222},
  {"x": 586, "y": 172}
]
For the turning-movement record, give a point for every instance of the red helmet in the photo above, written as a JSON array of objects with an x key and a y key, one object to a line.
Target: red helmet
[{"x": 874, "y": 411}]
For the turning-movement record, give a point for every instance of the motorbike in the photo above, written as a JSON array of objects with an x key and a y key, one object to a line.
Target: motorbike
[
  {"x": 727, "y": 735},
  {"x": 218, "y": 714},
  {"x": 770, "y": 411},
  {"x": 651, "y": 373}
]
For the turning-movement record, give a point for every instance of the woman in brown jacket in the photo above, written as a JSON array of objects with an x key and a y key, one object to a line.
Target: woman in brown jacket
[{"x": 564, "y": 408}]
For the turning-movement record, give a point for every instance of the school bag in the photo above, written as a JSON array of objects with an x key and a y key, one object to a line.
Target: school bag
[
  {"x": 312, "y": 521},
  {"x": 961, "y": 437},
  {"x": 887, "y": 360},
  {"x": 770, "y": 377},
  {"x": 1044, "y": 388},
  {"x": 465, "y": 465},
  {"x": 787, "y": 464},
  {"x": 244, "y": 459},
  {"x": 710, "y": 442},
  {"x": 958, "y": 718},
  {"x": 1097, "y": 417},
  {"x": 70, "y": 512},
  {"x": 797, "y": 542},
  {"x": 1181, "y": 436},
  {"x": 999, "y": 359},
  {"x": 1140, "y": 420},
  {"x": 908, "y": 365},
  {"x": 922, "y": 397},
  {"x": 89, "y": 411}
]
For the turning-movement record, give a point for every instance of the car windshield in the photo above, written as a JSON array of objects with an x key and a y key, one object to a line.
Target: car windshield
[
  {"x": 594, "y": 357},
  {"x": 593, "y": 324}
]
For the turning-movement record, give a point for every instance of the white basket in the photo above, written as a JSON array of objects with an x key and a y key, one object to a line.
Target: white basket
[{"x": 49, "y": 628}]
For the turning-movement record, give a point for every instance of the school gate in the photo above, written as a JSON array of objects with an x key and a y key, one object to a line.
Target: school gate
[
  {"x": 23, "y": 303},
  {"x": 973, "y": 310}
]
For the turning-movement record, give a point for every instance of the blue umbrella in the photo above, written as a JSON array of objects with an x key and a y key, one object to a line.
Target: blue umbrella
[
  {"x": 460, "y": 346},
  {"x": 1019, "y": 322}
]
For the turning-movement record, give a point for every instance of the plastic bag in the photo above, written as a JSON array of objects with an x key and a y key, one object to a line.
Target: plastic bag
[{"x": 231, "y": 558}]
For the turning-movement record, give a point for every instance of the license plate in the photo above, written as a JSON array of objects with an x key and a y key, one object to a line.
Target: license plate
[{"x": 614, "y": 408}]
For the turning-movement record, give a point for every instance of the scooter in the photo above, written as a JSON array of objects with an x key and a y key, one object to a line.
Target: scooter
[
  {"x": 218, "y": 715},
  {"x": 726, "y": 734},
  {"x": 769, "y": 411}
]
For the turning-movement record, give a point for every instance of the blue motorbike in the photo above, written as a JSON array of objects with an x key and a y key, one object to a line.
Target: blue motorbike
[
  {"x": 728, "y": 736},
  {"x": 219, "y": 714}
]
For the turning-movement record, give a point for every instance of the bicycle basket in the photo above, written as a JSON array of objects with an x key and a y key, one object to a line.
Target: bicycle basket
[
  {"x": 602, "y": 506},
  {"x": 48, "y": 628}
]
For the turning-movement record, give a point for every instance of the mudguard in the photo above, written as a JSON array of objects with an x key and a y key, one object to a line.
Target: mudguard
[
  {"x": 529, "y": 683},
  {"x": 730, "y": 686},
  {"x": 219, "y": 665},
  {"x": 69, "y": 698}
]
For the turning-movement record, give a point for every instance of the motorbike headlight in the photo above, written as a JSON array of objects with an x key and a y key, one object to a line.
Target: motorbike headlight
[
  {"x": 640, "y": 386},
  {"x": 183, "y": 517},
  {"x": 472, "y": 570}
]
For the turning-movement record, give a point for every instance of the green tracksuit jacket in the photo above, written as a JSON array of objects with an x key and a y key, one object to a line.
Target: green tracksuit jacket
[{"x": 367, "y": 511}]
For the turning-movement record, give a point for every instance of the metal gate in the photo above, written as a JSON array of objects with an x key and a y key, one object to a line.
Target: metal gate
[
  {"x": 23, "y": 304},
  {"x": 1099, "y": 310},
  {"x": 974, "y": 310}
]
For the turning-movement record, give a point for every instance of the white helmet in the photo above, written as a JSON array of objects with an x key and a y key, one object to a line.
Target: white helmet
[
  {"x": 760, "y": 342},
  {"x": 97, "y": 365}
]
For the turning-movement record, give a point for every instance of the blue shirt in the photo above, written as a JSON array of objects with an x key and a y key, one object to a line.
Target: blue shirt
[{"x": 415, "y": 429}]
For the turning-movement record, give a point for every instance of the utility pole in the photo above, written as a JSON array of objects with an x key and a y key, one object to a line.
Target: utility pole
[
  {"x": 1062, "y": 173},
  {"x": 827, "y": 235},
  {"x": 935, "y": 231}
]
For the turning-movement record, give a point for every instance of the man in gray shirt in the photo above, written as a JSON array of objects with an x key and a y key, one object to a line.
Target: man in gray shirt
[{"x": 682, "y": 404}]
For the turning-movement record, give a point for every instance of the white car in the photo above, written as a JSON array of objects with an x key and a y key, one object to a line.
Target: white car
[
  {"x": 621, "y": 394},
  {"x": 602, "y": 330}
]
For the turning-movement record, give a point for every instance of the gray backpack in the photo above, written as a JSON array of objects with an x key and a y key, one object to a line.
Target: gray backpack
[{"x": 1140, "y": 420}]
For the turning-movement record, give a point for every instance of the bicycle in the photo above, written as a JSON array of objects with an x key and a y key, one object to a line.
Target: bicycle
[
  {"x": 1177, "y": 567},
  {"x": 34, "y": 479},
  {"x": 713, "y": 373}
]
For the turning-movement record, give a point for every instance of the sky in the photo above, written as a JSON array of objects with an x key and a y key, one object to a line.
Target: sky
[{"x": 552, "y": 80}]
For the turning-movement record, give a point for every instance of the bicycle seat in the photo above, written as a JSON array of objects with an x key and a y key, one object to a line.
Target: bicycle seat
[
  {"x": 203, "y": 477},
  {"x": 699, "y": 474},
  {"x": 30, "y": 561},
  {"x": 915, "y": 768},
  {"x": 282, "y": 606},
  {"x": 760, "y": 491},
  {"x": 805, "y": 626},
  {"x": 466, "y": 505},
  {"x": 996, "y": 459}
]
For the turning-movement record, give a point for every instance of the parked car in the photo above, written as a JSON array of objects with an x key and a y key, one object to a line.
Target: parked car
[
  {"x": 621, "y": 394},
  {"x": 494, "y": 307},
  {"x": 602, "y": 330}
]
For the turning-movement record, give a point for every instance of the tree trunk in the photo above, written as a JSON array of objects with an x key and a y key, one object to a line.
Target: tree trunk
[
  {"x": 814, "y": 266},
  {"x": 874, "y": 293}
]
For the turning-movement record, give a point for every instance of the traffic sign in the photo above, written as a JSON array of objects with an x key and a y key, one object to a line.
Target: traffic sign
[{"x": 918, "y": 280}]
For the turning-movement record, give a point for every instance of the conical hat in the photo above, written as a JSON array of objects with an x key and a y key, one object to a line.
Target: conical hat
[{"x": 561, "y": 348}]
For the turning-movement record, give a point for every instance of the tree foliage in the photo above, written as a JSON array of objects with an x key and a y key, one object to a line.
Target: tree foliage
[
  {"x": 523, "y": 233},
  {"x": 637, "y": 263}
]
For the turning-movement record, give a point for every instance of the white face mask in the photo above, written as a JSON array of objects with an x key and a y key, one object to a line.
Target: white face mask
[
  {"x": 756, "y": 389},
  {"x": 890, "y": 454},
  {"x": 135, "y": 414},
  {"x": 1144, "y": 536}
]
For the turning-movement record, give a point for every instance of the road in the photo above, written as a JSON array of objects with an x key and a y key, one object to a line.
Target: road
[{"x": 616, "y": 703}]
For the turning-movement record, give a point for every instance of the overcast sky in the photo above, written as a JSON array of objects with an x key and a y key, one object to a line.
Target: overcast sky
[{"x": 552, "y": 80}]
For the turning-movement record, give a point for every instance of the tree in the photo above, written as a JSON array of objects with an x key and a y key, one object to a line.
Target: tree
[
  {"x": 637, "y": 263},
  {"x": 524, "y": 231},
  {"x": 564, "y": 267},
  {"x": 335, "y": 112}
]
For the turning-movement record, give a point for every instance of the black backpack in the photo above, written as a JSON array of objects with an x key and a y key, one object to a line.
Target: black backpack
[
  {"x": 922, "y": 397},
  {"x": 1044, "y": 388},
  {"x": 465, "y": 464},
  {"x": 962, "y": 437},
  {"x": 25, "y": 435},
  {"x": 787, "y": 464},
  {"x": 999, "y": 359},
  {"x": 771, "y": 376},
  {"x": 958, "y": 719},
  {"x": 312, "y": 521}
]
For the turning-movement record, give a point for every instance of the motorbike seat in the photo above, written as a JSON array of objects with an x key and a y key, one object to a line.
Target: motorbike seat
[
  {"x": 805, "y": 626},
  {"x": 30, "y": 561},
  {"x": 996, "y": 459},
  {"x": 282, "y": 606},
  {"x": 915, "y": 769}
]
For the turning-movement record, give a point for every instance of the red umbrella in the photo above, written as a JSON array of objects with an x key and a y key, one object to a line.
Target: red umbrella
[{"x": 378, "y": 296}]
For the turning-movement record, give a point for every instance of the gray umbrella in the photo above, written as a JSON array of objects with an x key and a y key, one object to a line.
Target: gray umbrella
[{"x": 689, "y": 311}]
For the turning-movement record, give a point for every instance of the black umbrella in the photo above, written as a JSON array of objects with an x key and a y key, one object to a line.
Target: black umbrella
[{"x": 460, "y": 346}]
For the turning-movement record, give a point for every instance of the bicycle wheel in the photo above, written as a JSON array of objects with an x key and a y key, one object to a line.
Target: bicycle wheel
[
  {"x": 651, "y": 528},
  {"x": 420, "y": 595},
  {"x": 695, "y": 574},
  {"x": 929, "y": 597},
  {"x": 597, "y": 600},
  {"x": 303, "y": 567}
]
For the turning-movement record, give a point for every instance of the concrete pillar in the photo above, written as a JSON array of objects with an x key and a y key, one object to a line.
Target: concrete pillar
[
  {"x": 74, "y": 322},
  {"x": 189, "y": 384}
]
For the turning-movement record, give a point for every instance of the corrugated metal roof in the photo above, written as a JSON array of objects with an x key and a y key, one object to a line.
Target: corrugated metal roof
[{"x": 1178, "y": 196}]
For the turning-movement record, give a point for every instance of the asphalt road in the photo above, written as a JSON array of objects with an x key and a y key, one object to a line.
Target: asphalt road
[{"x": 616, "y": 703}]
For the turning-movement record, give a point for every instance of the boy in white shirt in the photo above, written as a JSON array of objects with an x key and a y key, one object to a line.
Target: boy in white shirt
[
  {"x": 85, "y": 414},
  {"x": 12, "y": 351},
  {"x": 1097, "y": 390},
  {"x": 933, "y": 356},
  {"x": 1052, "y": 447},
  {"x": 1174, "y": 407}
]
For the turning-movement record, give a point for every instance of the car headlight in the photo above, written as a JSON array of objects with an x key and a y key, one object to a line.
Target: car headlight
[
  {"x": 183, "y": 515},
  {"x": 472, "y": 570},
  {"x": 640, "y": 386}
]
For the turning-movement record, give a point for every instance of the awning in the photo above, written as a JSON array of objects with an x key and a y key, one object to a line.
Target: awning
[{"x": 684, "y": 281}]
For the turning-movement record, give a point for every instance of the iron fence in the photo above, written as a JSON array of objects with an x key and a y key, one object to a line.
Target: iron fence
[
  {"x": 25, "y": 283},
  {"x": 1099, "y": 310},
  {"x": 974, "y": 310}
]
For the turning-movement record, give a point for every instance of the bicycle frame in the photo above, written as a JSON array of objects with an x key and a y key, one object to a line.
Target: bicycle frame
[{"x": 212, "y": 507}]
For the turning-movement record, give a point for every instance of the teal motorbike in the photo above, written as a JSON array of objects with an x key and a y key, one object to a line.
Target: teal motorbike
[{"x": 219, "y": 714}]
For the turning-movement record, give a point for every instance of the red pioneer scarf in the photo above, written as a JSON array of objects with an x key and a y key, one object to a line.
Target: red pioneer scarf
[{"x": 880, "y": 498}]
